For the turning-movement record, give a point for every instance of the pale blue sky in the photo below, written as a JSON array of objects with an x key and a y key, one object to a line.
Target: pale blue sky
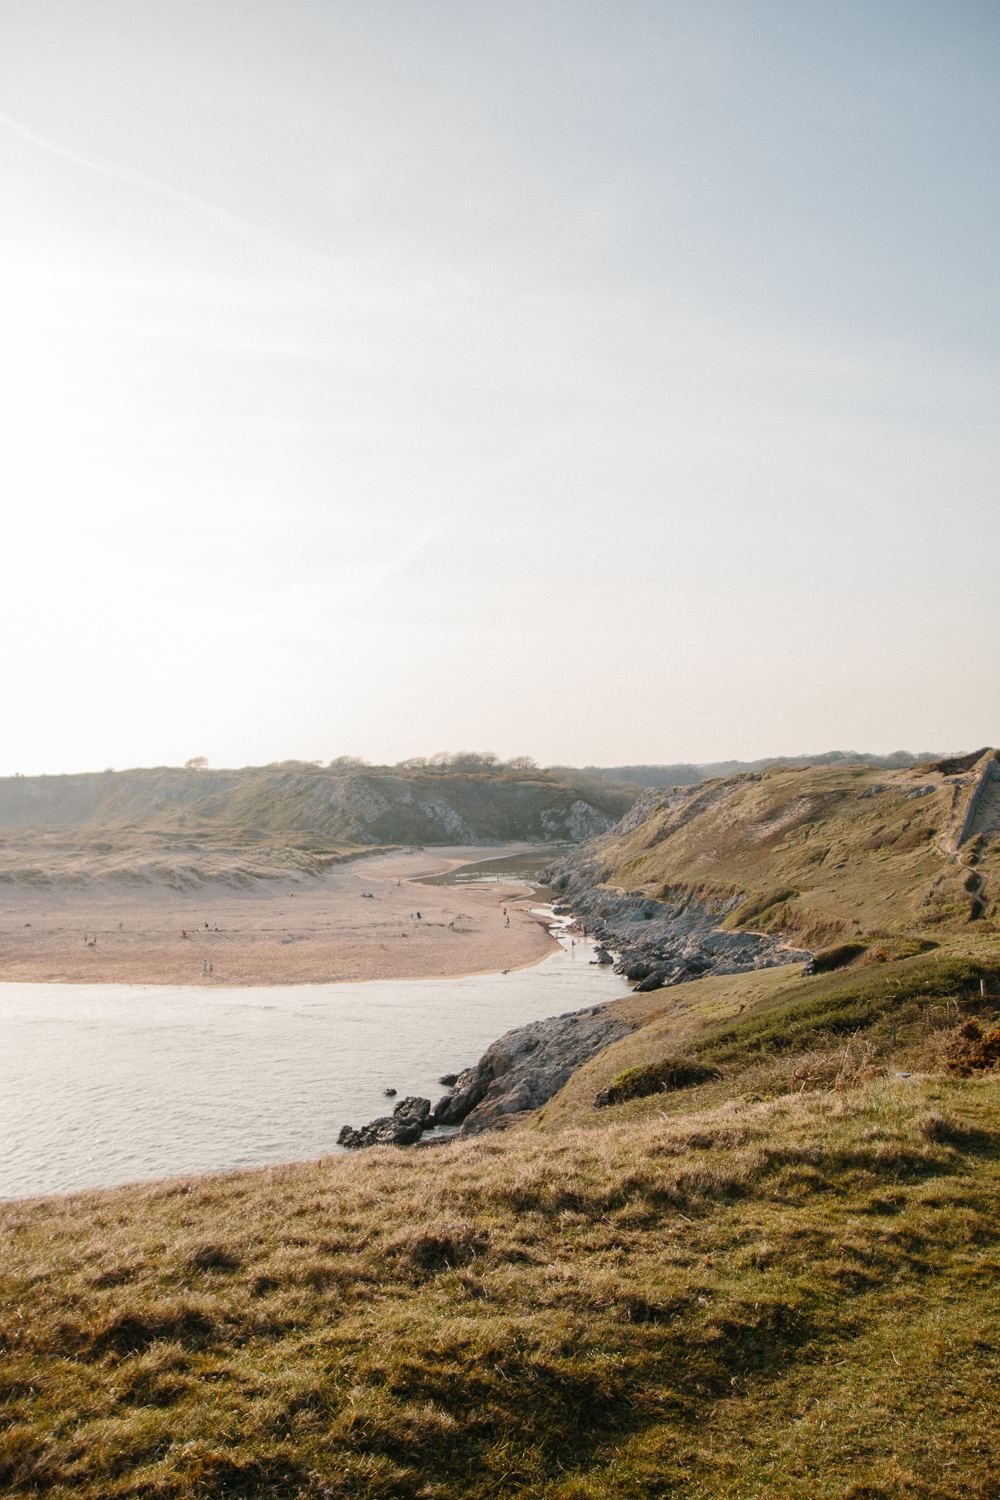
[{"x": 604, "y": 382}]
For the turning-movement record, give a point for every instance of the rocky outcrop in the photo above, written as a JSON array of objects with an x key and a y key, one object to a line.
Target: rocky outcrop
[
  {"x": 661, "y": 943},
  {"x": 521, "y": 1071},
  {"x": 528, "y": 1065},
  {"x": 385, "y": 1131},
  {"x": 403, "y": 1127}
]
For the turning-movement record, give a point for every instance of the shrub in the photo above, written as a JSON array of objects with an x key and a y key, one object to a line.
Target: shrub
[
  {"x": 963, "y": 1050},
  {"x": 655, "y": 1078},
  {"x": 836, "y": 957}
]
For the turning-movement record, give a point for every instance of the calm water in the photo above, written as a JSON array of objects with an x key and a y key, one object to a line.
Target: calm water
[
  {"x": 508, "y": 868},
  {"x": 104, "y": 1084}
]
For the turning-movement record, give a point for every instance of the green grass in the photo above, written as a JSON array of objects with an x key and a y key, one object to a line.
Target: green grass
[
  {"x": 779, "y": 1282},
  {"x": 840, "y": 1005}
]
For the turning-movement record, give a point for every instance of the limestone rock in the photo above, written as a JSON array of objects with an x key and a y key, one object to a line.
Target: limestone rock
[
  {"x": 525, "y": 1067},
  {"x": 388, "y": 1130},
  {"x": 413, "y": 1106}
]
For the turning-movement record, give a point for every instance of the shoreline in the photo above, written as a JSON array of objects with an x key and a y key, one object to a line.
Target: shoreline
[{"x": 333, "y": 933}]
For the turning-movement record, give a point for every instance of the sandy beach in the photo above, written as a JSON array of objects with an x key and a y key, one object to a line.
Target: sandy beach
[{"x": 299, "y": 929}]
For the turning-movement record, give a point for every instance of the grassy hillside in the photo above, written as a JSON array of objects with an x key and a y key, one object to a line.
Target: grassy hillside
[
  {"x": 778, "y": 1282},
  {"x": 751, "y": 1249},
  {"x": 685, "y": 773},
  {"x": 824, "y": 853},
  {"x": 342, "y": 807}
]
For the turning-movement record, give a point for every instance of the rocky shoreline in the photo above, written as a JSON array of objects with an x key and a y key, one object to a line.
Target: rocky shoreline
[
  {"x": 659, "y": 942},
  {"x": 516, "y": 1074}
]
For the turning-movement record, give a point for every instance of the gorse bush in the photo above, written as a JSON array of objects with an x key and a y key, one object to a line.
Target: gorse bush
[
  {"x": 654, "y": 1078},
  {"x": 836, "y": 957}
]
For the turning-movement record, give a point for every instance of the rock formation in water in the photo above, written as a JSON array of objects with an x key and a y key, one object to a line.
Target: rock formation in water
[{"x": 519, "y": 1072}]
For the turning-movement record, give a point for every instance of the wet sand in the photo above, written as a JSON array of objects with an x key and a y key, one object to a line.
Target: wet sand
[{"x": 298, "y": 929}]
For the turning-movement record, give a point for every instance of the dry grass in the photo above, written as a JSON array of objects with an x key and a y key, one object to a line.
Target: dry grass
[
  {"x": 824, "y": 854},
  {"x": 788, "y": 1298}
]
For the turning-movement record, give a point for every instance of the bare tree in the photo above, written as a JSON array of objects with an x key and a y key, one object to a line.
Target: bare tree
[{"x": 196, "y": 763}]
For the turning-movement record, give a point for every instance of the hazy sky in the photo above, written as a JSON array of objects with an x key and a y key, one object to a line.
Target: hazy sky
[{"x": 599, "y": 381}]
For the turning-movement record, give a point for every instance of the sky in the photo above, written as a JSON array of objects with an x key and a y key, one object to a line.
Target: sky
[{"x": 604, "y": 382}]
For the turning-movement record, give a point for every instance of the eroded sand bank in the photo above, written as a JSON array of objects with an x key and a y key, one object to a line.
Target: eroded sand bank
[{"x": 294, "y": 930}]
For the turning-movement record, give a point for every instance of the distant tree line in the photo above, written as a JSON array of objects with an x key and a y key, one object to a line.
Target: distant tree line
[{"x": 471, "y": 762}]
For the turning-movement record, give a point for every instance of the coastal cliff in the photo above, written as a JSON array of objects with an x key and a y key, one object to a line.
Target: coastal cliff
[
  {"x": 756, "y": 869},
  {"x": 373, "y": 806},
  {"x": 913, "y": 851}
]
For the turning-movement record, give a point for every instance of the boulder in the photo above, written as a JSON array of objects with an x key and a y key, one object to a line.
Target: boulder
[
  {"x": 413, "y": 1106},
  {"x": 388, "y": 1130},
  {"x": 470, "y": 1086}
]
